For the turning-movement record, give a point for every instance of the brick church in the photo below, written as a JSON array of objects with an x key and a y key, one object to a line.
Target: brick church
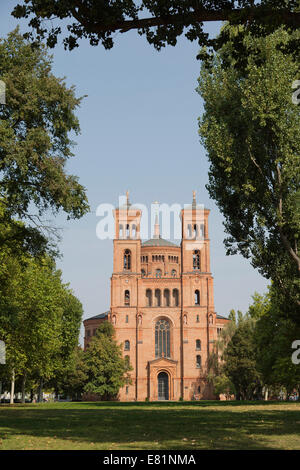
[{"x": 162, "y": 307}]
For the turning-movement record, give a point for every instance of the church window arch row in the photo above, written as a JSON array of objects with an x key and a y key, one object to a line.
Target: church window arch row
[
  {"x": 195, "y": 231},
  {"x": 158, "y": 258},
  {"x": 127, "y": 230},
  {"x": 162, "y": 298}
]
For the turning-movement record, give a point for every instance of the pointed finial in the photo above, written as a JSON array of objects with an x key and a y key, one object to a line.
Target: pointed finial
[
  {"x": 127, "y": 198},
  {"x": 156, "y": 225},
  {"x": 194, "y": 204}
]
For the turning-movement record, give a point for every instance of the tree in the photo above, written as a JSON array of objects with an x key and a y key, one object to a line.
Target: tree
[
  {"x": 273, "y": 336},
  {"x": 250, "y": 129},
  {"x": 106, "y": 369},
  {"x": 35, "y": 144},
  {"x": 223, "y": 386},
  {"x": 75, "y": 377},
  {"x": 161, "y": 21},
  {"x": 240, "y": 362},
  {"x": 39, "y": 321}
]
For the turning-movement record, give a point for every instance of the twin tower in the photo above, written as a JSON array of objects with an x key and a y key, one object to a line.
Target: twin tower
[{"x": 162, "y": 306}]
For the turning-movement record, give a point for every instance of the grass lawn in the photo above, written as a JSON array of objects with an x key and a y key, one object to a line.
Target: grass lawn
[{"x": 169, "y": 425}]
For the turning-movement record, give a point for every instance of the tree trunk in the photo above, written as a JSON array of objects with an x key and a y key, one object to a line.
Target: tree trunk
[
  {"x": 23, "y": 388},
  {"x": 266, "y": 393},
  {"x": 40, "y": 393},
  {"x": 12, "y": 388}
]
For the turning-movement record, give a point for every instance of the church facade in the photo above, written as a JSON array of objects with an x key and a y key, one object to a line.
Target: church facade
[{"x": 162, "y": 307}]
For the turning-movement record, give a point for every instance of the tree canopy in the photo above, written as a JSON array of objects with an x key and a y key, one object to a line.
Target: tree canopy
[
  {"x": 40, "y": 328},
  {"x": 106, "y": 369},
  {"x": 35, "y": 144},
  {"x": 161, "y": 21},
  {"x": 250, "y": 129}
]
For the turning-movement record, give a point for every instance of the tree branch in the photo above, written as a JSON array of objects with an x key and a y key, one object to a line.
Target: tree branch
[{"x": 199, "y": 16}]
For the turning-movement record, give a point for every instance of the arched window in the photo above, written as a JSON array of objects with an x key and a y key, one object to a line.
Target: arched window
[
  {"x": 197, "y": 297},
  {"x": 197, "y": 319},
  {"x": 167, "y": 298},
  {"x": 143, "y": 272},
  {"x": 174, "y": 273},
  {"x": 175, "y": 297},
  {"x": 157, "y": 298},
  {"x": 198, "y": 344},
  {"x": 121, "y": 231},
  {"x": 127, "y": 297},
  {"x": 162, "y": 338},
  {"x": 196, "y": 259},
  {"x": 133, "y": 231},
  {"x": 127, "y": 345},
  {"x": 195, "y": 231},
  {"x": 127, "y": 259},
  {"x": 127, "y": 231},
  {"x": 126, "y": 319},
  {"x": 202, "y": 230},
  {"x": 198, "y": 361},
  {"x": 158, "y": 273},
  {"x": 149, "y": 297}
]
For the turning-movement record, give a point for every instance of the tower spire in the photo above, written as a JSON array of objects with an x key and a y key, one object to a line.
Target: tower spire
[
  {"x": 194, "y": 199},
  {"x": 156, "y": 225},
  {"x": 127, "y": 198},
  {"x": 156, "y": 228}
]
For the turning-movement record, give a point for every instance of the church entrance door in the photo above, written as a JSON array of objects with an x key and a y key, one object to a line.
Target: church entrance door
[{"x": 163, "y": 386}]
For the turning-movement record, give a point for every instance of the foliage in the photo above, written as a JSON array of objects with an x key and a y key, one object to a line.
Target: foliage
[
  {"x": 223, "y": 386},
  {"x": 35, "y": 124},
  {"x": 240, "y": 362},
  {"x": 39, "y": 319},
  {"x": 161, "y": 21},
  {"x": 75, "y": 377},
  {"x": 250, "y": 129},
  {"x": 273, "y": 336},
  {"x": 106, "y": 369}
]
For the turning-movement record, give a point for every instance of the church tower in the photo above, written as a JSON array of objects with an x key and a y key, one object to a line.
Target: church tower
[{"x": 199, "y": 330}]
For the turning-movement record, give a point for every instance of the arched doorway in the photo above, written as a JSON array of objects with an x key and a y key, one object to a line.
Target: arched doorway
[{"x": 163, "y": 386}]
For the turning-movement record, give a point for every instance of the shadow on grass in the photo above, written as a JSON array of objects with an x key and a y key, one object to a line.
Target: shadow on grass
[
  {"x": 155, "y": 425},
  {"x": 200, "y": 403}
]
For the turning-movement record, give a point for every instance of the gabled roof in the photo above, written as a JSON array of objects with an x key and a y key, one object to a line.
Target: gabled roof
[
  {"x": 220, "y": 317},
  {"x": 159, "y": 242},
  {"x": 99, "y": 316}
]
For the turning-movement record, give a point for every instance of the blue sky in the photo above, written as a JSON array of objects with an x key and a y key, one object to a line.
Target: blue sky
[{"x": 138, "y": 132}]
